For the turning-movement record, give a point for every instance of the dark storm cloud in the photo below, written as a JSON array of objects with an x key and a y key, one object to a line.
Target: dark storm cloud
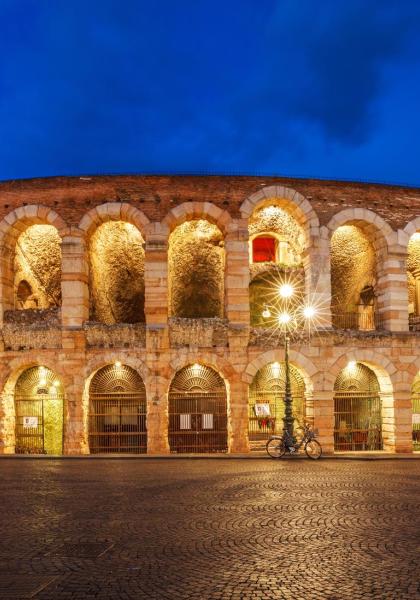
[{"x": 196, "y": 85}]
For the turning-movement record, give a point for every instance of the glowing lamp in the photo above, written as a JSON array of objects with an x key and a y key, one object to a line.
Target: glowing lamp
[
  {"x": 284, "y": 318},
  {"x": 309, "y": 312},
  {"x": 118, "y": 364},
  {"x": 266, "y": 313},
  {"x": 286, "y": 290}
]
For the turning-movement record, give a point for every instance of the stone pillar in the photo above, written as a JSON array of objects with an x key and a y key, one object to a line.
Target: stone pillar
[
  {"x": 392, "y": 291},
  {"x": 237, "y": 283},
  {"x": 323, "y": 419},
  {"x": 6, "y": 281},
  {"x": 157, "y": 414},
  {"x": 76, "y": 412},
  {"x": 156, "y": 274},
  {"x": 7, "y": 422},
  {"x": 238, "y": 409},
  {"x": 237, "y": 273},
  {"x": 317, "y": 265},
  {"x": 403, "y": 425},
  {"x": 74, "y": 280}
]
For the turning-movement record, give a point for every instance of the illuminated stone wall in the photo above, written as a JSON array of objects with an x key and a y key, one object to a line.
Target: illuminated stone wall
[
  {"x": 353, "y": 266},
  {"x": 413, "y": 266},
  {"x": 196, "y": 270},
  {"x": 116, "y": 257},
  {"x": 38, "y": 268}
]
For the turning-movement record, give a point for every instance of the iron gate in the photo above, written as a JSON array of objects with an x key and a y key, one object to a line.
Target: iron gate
[
  {"x": 39, "y": 403},
  {"x": 357, "y": 410},
  {"x": 197, "y": 411},
  {"x": 266, "y": 400},
  {"x": 416, "y": 414},
  {"x": 117, "y": 411}
]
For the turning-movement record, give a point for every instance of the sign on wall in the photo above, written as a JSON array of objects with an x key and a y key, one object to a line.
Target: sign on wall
[
  {"x": 30, "y": 422},
  {"x": 262, "y": 410}
]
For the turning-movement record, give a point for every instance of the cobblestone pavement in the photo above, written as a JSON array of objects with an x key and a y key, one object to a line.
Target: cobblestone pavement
[{"x": 209, "y": 529}]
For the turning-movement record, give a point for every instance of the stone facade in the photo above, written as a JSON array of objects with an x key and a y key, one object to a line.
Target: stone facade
[{"x": 75, "y": 348}]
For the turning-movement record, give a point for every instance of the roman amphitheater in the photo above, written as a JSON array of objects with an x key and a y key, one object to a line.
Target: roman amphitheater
[{"x": 143, "y": 314}]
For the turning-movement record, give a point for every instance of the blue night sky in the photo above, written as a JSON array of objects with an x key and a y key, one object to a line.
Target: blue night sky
[{"x": 322, "y": 88}]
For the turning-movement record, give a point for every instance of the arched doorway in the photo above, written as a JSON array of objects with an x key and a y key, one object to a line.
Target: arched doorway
[
  {"x": 266, "y": 401},
  {"x": 117, "y": 411},
  {"x": 357, "y": 409},
  {"x": 197, "y": 411},
  {"x": 39, "y": 404},
  {"x": 415, "y": 397}
]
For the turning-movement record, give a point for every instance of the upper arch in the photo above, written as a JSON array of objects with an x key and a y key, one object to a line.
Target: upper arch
[
  {"x": 189, "y": 211},
  {"x": 18, "y": 220},
  {"x": 301, "y": 207},
  {"x": 364, "y": 218},
  {"x": 113, "y": 211}
]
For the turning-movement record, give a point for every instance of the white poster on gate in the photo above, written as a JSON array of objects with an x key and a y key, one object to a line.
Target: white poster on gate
[{"x": 30, "y": 422}]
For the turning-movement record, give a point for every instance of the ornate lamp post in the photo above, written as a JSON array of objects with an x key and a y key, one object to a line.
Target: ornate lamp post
[{"x": 287, "y": 319}]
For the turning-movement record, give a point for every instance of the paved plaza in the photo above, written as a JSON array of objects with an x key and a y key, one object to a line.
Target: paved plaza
[{"x": 210, "y": 529}]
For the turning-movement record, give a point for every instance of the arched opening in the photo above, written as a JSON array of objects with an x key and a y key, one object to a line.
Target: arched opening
[
  {"x": 197, "y": 411},
  {"x": 357, "y": 409},
  {"x": 37, "y": 268},
  {"x": 415, "y": 398},
  {"x": 277, "y": 246},
  {"x": 196, "y": 270},
  {"x": 413, "y": 276},
  {"x": 353, "y": 279},
  {"x": 116, "y": 261},
  {"x": 117, "y": 411},
  {"x": 39, "y": 407},
  {"x": 266, "y": 401}
]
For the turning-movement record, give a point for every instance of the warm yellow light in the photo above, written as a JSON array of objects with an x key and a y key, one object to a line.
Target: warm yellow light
[
  {"x": 56, "y": 383},
  {"x": 42, "y": 382},
  {"x": 309, "y": 312},
  {"x": 351, "y": 365},
  {"x": 286, "y": 290},
  {"x": 284, "y": 318},
  {"x": 266, "y": 313},
  {"x": 117, "y": 364}
]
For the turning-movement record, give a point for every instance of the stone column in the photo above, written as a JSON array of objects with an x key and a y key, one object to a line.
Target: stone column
[
  {"x": 7, "y": 422},
  {"x": 392, "y": 291},
  {"x": 323, "y": 419},
  {"x": 6, "y": 281},
  {"x": 74, "y": 289},
  {"x": 156, "y": 274},
  {"x": 76, "y": 411},
  {"x": 237, "y": 283},
  {"x": 317, "y": 265},
  {"x": 157, "y": 336},
  {"x": 238, "y": 405},
  {"x": 403, "y": 425}
]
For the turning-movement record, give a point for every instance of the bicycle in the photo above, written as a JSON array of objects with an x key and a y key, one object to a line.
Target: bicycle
[{"x": 278, "y": 445}]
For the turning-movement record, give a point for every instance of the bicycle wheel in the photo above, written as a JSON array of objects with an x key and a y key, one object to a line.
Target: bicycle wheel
[
  {"x": 313, "y": 449},
  {"x": 275, "y": 448}
]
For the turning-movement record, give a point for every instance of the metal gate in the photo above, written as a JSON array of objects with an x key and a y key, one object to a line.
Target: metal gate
[
  {"x": 39, "y": 412},
  {"x": 117, "y": 411},
  {"x": 266, "y": 400},
  {"x": 416, "y": 414},
  {"x": 197, "y": 411},
  {"x": 357, "y": 410}
]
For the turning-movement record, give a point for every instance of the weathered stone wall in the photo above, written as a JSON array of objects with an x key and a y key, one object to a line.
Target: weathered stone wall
[
  {"x": 353, "y": 266},
  {"x": 116, "y": 256},
  {"x": 38, "y": 262},
  {"x": 196, "y": 270}
]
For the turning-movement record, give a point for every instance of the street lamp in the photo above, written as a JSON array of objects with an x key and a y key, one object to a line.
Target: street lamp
[{"x": 287, "y": 319}]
